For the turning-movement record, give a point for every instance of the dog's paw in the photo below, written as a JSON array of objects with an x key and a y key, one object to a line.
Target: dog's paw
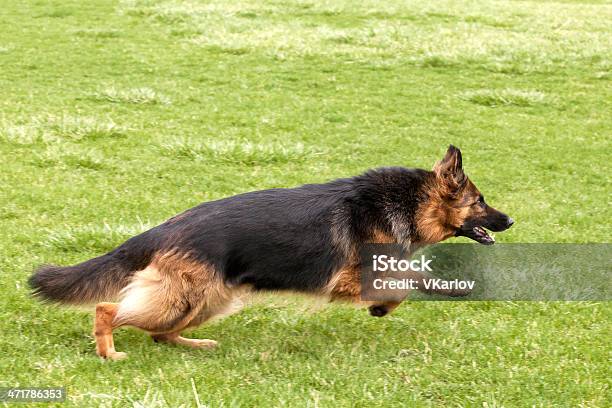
[
  {"x": 115, "y": 356},
  {"x": 202, "y": 343},
  {"x": 378, "y": 310}
]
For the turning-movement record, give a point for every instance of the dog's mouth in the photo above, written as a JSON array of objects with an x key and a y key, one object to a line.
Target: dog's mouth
[{"x": 478, "y": 234}]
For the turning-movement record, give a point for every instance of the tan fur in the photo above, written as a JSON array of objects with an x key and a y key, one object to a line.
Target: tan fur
[
  {"x": 439, "y": 217},
  {"x": 345, "y": 284},
  {"x": 381, "y": 237},
  {"x": 103, "y": 331},
  {"x": 174, "y": 292},
  {"x": 346, "y": 287},
  {"x": 175, "y": 338}
]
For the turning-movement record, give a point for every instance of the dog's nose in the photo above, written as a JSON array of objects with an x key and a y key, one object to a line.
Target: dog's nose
[{"x": 510, "y": 222}]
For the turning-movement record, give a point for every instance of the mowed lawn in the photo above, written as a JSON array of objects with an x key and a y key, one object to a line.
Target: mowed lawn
[{"x": 115, "y": 116}]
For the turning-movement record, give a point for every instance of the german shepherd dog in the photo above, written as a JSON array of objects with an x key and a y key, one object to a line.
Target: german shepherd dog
[{"x": 305, "y": 239}]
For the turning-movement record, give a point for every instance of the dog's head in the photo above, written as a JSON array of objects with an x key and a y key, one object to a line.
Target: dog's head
[{"x": 455, "y": 207}]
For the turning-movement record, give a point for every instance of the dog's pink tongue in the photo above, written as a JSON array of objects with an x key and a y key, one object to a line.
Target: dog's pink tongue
[{"x": 483, "y": 234}]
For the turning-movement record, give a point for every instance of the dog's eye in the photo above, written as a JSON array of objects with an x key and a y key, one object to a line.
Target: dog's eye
[{"x": 480, "y": 201}]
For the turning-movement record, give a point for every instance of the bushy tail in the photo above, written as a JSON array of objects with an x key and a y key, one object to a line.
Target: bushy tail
[{"x": 94, "y": 280}]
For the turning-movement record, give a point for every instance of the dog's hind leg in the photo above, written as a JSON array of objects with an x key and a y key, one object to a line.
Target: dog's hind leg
[
  {"x": 176, "y": 338},
  {"x": 222, "y": 304},
  {"x": 163, "y": 299},
  {"x": 103, "y": 331}
]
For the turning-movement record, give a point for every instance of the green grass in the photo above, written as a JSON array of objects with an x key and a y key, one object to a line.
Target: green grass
[
  {"x": 134, "y": 95},
  {"x": 493, "y": 98},
  {"x": 115, "y": 116}
]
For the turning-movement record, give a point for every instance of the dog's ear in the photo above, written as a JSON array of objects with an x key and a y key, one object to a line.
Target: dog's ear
[{"x": 449, "y": 171}]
